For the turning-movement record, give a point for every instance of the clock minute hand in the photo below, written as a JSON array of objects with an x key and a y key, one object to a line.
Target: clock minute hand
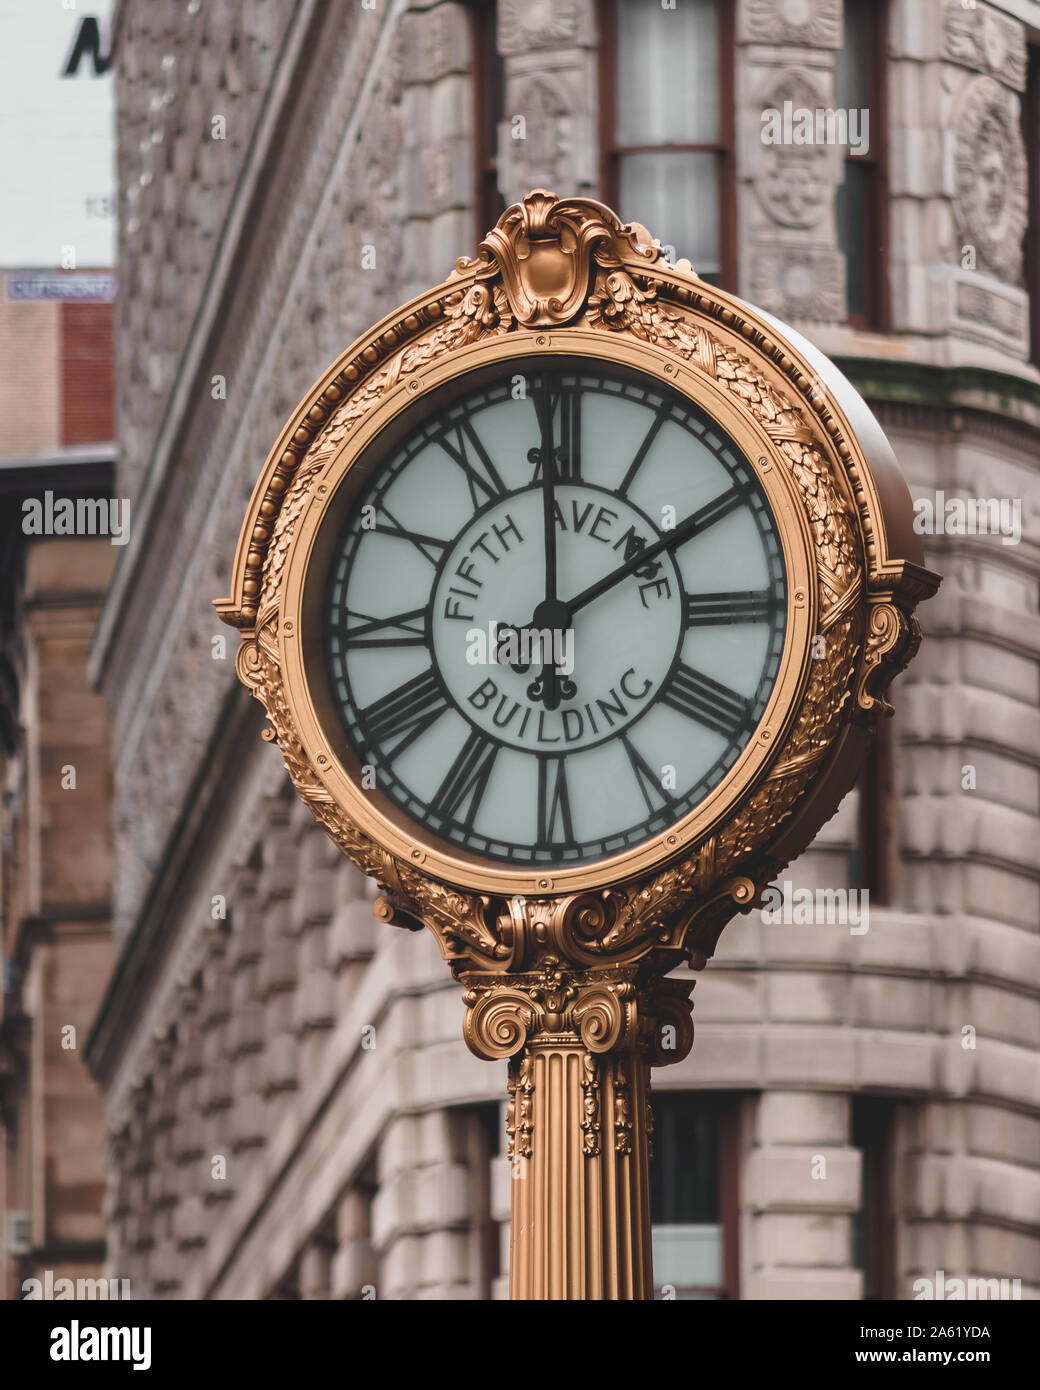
[
  {"x": 700, "y": 520},
  {"x": 548, "y": 614},
  {"x": 548, "y": 496}
]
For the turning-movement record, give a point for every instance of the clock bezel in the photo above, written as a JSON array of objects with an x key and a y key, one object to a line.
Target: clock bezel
[{"x": 306, "y": 563}]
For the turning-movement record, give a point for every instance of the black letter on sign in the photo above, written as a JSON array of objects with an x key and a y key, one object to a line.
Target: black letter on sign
[{"x": 88, "y": 41}]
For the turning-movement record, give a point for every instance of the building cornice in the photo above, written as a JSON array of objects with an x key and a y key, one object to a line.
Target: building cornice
[
  {"x": 977, "y": 389},
  {"x": 219, "y": 285}
]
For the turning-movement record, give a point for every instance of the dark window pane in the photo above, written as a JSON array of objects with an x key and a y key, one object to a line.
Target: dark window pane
[
  {"x": 684, "y": 1172},
  {"x": 853, "y": 60},
  {"x": 872, "y": 1233},
  {"x": 685, "y": 1203},
  {"x": 852, "y": 236}
]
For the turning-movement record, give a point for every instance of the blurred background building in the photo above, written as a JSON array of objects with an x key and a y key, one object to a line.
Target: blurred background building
[
  {"x": 57, "y": 286},
  {"x": 290, "y": 1107}
]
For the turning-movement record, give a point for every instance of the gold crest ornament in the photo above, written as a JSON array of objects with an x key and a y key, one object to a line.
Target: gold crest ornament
[{"x": 730, "y": 573}]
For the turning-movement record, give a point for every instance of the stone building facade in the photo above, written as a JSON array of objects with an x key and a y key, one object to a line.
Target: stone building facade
[
  {"x": 292, "y": 1112},
  {"x": 56, "y": 402}
]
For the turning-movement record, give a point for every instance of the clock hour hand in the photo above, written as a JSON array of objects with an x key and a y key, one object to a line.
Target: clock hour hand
[
  {"x": 515, "y": 645},
  {"x": 699, "y": 521}
]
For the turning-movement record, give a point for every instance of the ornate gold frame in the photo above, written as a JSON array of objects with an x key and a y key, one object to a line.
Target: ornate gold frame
[
  {"x": 302, "y": 666},
  {"x": 559, "y": 279}
]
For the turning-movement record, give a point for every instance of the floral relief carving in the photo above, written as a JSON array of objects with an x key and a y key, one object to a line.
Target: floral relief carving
[
  {"x": 798, "y": 284},
  {"x": 524, "y": 25},
  {"x": 991, "y": 205},
  {"x": 796, "y": 181},
  {"x": 812, "y": 23}
]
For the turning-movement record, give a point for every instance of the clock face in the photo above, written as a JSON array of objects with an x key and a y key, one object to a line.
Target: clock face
[{"x": 555, "y": 615}]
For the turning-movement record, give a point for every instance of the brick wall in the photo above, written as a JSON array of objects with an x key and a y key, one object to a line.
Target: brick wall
[
  {"x": 87, "y": 374},
  {"x": 30, "y": 397}
]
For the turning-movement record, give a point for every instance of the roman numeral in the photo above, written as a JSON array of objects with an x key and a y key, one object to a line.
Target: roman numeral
[
  {"x": 399, "y": 718},
  {"x": 654, "y": 794},
  {"x": 644, "y": 448},
  {"x": 467, "y": 780},
  {"x": 554, "y": 804},
  {"x": 424, "y": 544},
  {"x": 711, "y": 704},
  {"x": 480, "y": 472},
  {"x": 566, "y": 456},
  {"x": 734, "y": 606},
  {"x": 381, "y": 632}
]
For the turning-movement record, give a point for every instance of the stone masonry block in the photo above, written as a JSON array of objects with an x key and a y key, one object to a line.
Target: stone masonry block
[
  {"x": 781, "y": 1176},
  {"x": 801, "y": 1117}
]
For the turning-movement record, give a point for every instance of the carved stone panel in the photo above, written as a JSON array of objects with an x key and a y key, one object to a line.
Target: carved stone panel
[
  {"x": 524, "y": 25},
  {"x": 547, "y": 135},
  {"x": 805, "y": 284},
  {"x": 987, "y": 41},
  {"x": 809, "y": 23},
  {"x": 990, "y": 206},
  {"x": 795, "y": 182}
]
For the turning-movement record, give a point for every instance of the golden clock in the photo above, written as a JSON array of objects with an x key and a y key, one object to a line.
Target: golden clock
[{"x": 572, "y": 591}]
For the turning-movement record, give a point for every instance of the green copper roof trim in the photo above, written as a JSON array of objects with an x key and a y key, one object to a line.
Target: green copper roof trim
[{"x": 965, "y": 388}]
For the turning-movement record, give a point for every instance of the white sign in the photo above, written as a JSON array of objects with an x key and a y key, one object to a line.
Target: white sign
[
  {"x": 57, "y": 135},
  {"x": 36, "y": 285}
]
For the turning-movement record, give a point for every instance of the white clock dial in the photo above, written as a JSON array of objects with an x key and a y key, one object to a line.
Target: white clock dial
[{"x": 555, "y": 615}]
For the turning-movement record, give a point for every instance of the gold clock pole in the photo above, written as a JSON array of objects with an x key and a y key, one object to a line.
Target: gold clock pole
[
  {"x": 568, "y": 975},
  {"x": 580, "y": 1043},
  {"x": 581, "y": 1039},
  {"x": 581, "y": 1200}
]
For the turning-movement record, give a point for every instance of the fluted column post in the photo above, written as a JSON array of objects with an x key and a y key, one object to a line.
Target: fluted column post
[
  {"x": 581, "y": 1192},
  {"x": 580, "y": 1042}
]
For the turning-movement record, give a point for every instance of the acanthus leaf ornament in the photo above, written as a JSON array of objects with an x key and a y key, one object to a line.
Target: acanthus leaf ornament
[{"x": 542, "y": 251}]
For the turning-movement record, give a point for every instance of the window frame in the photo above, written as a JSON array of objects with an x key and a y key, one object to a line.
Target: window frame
[
  {"x": 725, "y": 1109},
  {"x": 611, "y": 152},
  {"x": 488, "y": 78},
  {"x": 876, "y": 292}
]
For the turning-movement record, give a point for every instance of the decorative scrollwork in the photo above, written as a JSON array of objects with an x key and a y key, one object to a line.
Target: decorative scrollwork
[
  {"x": 622, "y": 1108},
  {"x": 590, "y": 1118},
  {"x": 602, "y": 1017},
  {"x": 671, "y": 1036},
  {"x": 497, "y": 1022},
  {"x": 519, "y": 1119},
  {"x": 892, "y": 641},
  {"x": 550, "y": 263}
]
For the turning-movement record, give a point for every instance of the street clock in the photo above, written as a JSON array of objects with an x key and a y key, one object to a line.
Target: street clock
[{"x": 572, "y": 591}]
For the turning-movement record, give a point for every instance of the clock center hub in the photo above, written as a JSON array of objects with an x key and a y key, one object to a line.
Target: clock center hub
[{"x": 503, "y": 619}]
